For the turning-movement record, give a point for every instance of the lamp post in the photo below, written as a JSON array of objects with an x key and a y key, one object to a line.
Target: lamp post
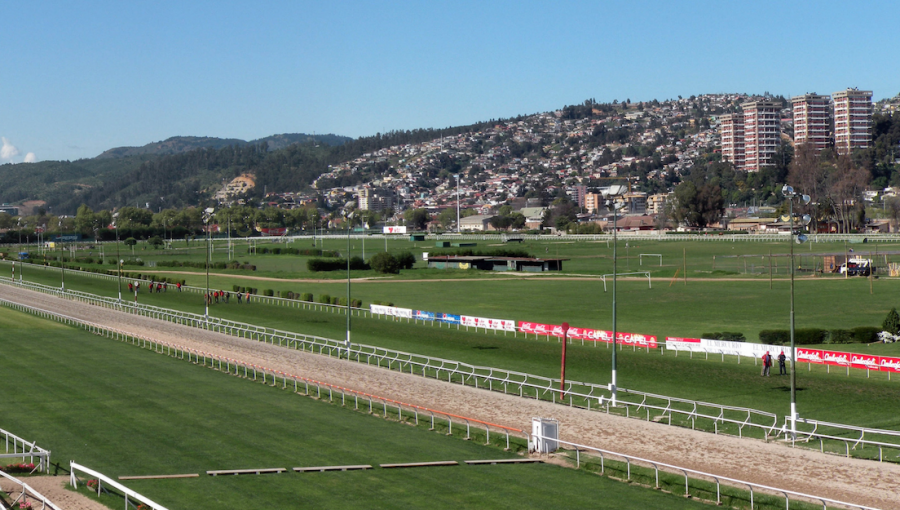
[
  {"x": 62, "y": 260},
  {"x": 791, "y": 195},
  {"x": 118, "y": 260},
  {"x": 207, "y": 215},
  {"x": 611, "y": 194},
  {"x": 457, "y": 203},
  {"x": 349, "y": 217}
]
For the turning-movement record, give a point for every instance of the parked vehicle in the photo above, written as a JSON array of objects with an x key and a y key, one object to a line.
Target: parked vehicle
[{"x": 857, "y": 267}]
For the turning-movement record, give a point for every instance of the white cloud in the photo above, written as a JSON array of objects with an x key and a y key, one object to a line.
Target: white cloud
[
  {"x": 9, "y": 150},
  {"x": 30, "y": 158}
]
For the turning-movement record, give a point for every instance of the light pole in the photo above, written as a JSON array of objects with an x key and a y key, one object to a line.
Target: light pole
[
  {"x": 118, "y": 260},
  {"x": 791, "y": 195},
  {"x": 207, "y": 215},
  {"x": 611, "y": 194},
  {"x": 457, "y": 203},
  {"x": 62, "y": 260},
  {"x": 349, "y": 224}
]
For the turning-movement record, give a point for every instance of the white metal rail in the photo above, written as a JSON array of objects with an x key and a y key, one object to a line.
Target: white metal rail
[
  {"x": 103, "y": 479},
  {"x": 826, "y": 431},
  {"x": 25, "y": 492},
  {"x": 717, "y": 479},
  {"x": 22, "y": 448}
]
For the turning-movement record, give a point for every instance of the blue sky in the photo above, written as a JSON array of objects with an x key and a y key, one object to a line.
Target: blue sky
[{"x": 82, "y": 77}]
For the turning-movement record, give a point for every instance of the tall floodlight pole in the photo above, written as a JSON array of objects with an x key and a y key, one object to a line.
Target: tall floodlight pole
[
  {"x": 118, "y": 260},
  {"x": 791, "y": 195},
  {"x": 207, "y": 215},
  {"x": 347, "y": 342},
  {"x": 62, "y": 261},
  {"x": 457, "y": 203},
  {"x": 612, "y": 193}
]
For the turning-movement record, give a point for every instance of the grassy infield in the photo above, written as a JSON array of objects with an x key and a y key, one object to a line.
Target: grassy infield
[{"x": 160, "y": 409}]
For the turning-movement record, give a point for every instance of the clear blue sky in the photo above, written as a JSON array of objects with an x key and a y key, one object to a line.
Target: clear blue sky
[{"x": 82, "y": 77}]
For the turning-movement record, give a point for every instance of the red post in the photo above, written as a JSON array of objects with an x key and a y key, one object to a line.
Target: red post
[{"x": 562, "y": 375}]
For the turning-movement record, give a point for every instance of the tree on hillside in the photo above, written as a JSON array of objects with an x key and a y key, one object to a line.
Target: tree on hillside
[
  {"x": 416, "y": 219},
  {"x": 698, "y": 206}
]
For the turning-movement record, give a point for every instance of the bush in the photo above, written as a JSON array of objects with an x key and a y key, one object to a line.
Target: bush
[
  {"x": 357, "y": 263},
  {"x": 236, "y": 288},
  {"x": 840, "y": 336},
  {"x": 726, "y": 335},
  {"x": 268, "y": 292},
  {"x": 383, "y": 303},
  {"x": 306, "y": 296},
  {"x": 809, "y": 336},
  {"x": 406, "y": 260},
  {"x": 324, "y": 298},
  {"x": 891, "y": 323},
  {"x": 316, "y": 265},
  {"x": 336, "y": 300},
  {"x": 865, "y": 334},
  {"x": 775, "y": 336},
  {"x": 385, "y": 263}
]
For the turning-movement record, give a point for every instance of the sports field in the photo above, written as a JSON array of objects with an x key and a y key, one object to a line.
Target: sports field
[{"x": 127, "y": 411}]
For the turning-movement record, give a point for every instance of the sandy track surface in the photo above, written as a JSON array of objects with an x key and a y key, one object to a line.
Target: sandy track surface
[
  {"x": 53, "y": 488},
  {"x": 856, "y": 481}
]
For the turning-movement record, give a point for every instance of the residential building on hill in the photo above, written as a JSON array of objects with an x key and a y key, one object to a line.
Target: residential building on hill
[
  {"x": 762, "y": 134},
  {"x": 731, "y": 129},
  {"x": 812, "y": 120},
  {"x": 375, "y": 199},
  {"x": 852, "y": 120}
]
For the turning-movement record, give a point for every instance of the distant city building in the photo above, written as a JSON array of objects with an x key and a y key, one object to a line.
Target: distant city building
[
  {"x": 762, "y": 134},
  {"x": 636, "y": 202},
  {"x": 656, "y": 204},
  {"x": 593, "y": 202},
  {"x": 375, "y": 199},
  {"x": 731, "y": 129},
  {"x": 11, "y": 210},
  {"x": 852, "y": 120},
  {"x": 811, "y": 120}
]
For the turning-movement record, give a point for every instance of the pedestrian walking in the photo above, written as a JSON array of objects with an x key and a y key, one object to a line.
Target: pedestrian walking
[
  {"x": 248, "y": 298},
  {"x": 239, "y": 297},
  {"x": 782, "y": 370},
  {"x": 767, "y": 363},
  {"x": 130, "y": 287},
  {"x": 178, "y": 286}
]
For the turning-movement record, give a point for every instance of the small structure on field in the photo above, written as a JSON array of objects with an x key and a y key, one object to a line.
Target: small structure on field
[{"x": 487, "y": 263}]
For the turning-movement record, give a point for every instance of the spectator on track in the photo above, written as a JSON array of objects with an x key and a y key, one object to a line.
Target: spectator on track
[
  {"x": 239, "y": 295},
  {"x": 767, "y": 363},
  {"x": 178, "y": 286},
  {"x": 782, "y": 370},
  {"x": 130, "y": 287}
]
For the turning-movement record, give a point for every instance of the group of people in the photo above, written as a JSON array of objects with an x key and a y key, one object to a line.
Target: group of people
[
  {"x": 153, "y": 286},
  {"x": 221, "y": 295},
  {"x": 768, "y": 360}
]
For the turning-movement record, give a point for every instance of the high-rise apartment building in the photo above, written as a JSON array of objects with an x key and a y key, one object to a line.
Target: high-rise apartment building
[
  {"x": 852, "y": 120},
  {"x": 375, "y": 199},
  {"x": 762, "y": 133},
  {"x": 811, "y": 120},
  {"x": 731, "y": 129}
]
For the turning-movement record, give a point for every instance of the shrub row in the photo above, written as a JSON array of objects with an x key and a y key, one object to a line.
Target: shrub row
[
  {"x": 316, "y": 265},
  {"x": 202, "y": 265},
  {"x": 306, "y": 296},
  {"x": 726, "y": 335},
  {"x": 812, "y": 336}
]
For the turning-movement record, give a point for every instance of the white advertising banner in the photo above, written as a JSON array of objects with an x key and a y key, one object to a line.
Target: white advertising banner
[
  {"x": 725, "y": 347},
  {"x": 395, "y": 230},
  {"x": 406, "y": 313},
  {"x": 481, "y": 322}
]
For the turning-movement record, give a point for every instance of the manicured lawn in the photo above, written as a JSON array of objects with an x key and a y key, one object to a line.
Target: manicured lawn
[{"x": 127, "y": 411}]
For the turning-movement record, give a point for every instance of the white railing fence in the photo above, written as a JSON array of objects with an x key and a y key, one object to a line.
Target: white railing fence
[
  {"x": 852, "y": 438},
  {"x": 24, "y": 493},
  {"x": 23, "y": 449},
  {"x": 689, "y": 474},
  {"x": 128, "y": 494}
]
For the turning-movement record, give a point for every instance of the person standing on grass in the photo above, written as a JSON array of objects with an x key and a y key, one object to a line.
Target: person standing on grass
[
  {"x": 239, "y": 295},
  {"x": 767, "y": 362},
  {"x": 782, "y": 370}
]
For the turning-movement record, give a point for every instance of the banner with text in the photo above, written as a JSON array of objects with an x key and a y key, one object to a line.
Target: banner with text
[
  {"x": 423, "y": 315},
  {"x": 448, "y": 318},
  {"x": 394, "y": 230},
  {"x": 481, "y": 322},
  {"x": 591, "y": 335},
  {"x": 405, "y": 313}
]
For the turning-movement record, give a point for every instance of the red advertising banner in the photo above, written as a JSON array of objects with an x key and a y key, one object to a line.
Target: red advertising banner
[
  {"x": 864, "y": 362},
  {"x": 810, "y": 356},
  {"x": 590, "y": 335},
  {"x": 836, "y": 358},
  {"x": 887, "y": 364}
]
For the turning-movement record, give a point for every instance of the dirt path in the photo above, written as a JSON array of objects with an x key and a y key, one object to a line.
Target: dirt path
[
  {"x": 54, "y": 489},
  {"x": 852, "y": 480}
]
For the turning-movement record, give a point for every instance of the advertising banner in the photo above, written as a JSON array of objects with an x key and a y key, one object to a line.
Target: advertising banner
[
  {"x": 405, "y": 313},
  {"x": 535, "y": 328},
  {"x": 448, "y": 318},
  {"x": 836, "y": 358},
  {"x": 637, "y": 339},
  {"x": 888, "y": 364},
  {"x": 394, "y": 230},
  {"x": 423, "y": 315},
  {"x": 810, "y": 356},
  {"x": 864, "y": 362},
  {"x": 481, "y": 322}
]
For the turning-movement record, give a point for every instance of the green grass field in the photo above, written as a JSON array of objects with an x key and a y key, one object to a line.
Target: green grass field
[{"x": 127, "y": 411}]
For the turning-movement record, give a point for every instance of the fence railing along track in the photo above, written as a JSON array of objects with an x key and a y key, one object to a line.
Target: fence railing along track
[
  {"x": 26, "y": 493},
  {"x": 104, "y": 483},
  {"x": 22, "y": 449}
]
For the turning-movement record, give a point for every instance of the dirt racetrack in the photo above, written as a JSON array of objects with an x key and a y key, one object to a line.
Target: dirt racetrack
[{"x": 855, "y": 481}]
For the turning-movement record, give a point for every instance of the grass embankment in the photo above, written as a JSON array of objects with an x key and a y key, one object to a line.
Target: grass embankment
[{"x": 126, "y": 411}]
